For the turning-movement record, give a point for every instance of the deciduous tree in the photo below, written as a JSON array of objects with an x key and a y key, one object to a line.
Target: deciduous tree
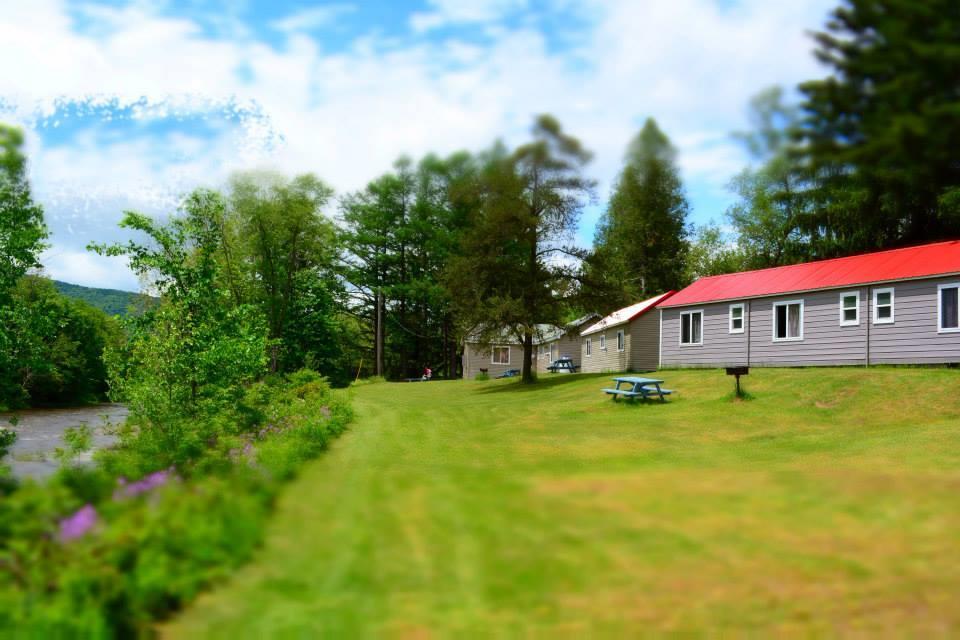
[{"x": 278, "y": 252}]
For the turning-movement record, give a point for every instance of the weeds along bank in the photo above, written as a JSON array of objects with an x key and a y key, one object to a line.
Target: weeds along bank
[{"x": 105, "y": 551}]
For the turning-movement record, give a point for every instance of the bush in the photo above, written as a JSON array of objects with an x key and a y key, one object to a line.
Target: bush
[
  {"x": 482, "y": 376},
  {"x": 7, "y": 438},
  {"x": 95, "y": 554}
]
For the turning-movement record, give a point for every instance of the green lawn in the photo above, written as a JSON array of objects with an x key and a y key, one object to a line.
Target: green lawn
[{"x": 830, "y": 503}]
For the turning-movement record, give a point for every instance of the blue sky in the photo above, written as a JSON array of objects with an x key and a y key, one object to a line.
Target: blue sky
[{"x": 130, "y": 104}]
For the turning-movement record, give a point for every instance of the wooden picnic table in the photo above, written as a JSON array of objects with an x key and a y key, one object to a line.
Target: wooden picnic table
[{"x": 631, "y": 387}]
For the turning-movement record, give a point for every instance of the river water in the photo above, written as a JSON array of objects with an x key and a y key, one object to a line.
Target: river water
[{"x": 40, "y": 432}]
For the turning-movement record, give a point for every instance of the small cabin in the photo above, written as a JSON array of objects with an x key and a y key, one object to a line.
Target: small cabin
[{"x": 626, "y": 340}]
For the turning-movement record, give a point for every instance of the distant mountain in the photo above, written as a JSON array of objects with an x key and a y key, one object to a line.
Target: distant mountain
[{"x": 112, "y": 301}]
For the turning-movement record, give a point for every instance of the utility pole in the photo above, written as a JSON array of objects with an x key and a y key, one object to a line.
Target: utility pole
[{"x": 378, "y": 341}]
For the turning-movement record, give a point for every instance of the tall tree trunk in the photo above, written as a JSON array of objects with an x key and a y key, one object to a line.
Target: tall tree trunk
[
  {"x": 527, "y": 357},
  {"x": 449, "y": 351}
]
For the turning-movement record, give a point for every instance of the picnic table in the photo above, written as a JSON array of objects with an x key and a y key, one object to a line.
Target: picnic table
[
  {"x": 631, "y": 387},
  {"x": 509, "y": 373},
  {"x": 563, "y": 364}
]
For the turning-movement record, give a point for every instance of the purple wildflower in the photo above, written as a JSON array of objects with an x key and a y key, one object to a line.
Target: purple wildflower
[
  {"x": 145, "y": 484},
  {"x": 78, "y": 524}
]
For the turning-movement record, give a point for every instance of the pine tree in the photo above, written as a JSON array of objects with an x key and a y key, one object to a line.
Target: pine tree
[
  {"x": 513, "y": 270},
  {"x": 642, "y": 239},
  {"x": 882, "y": 132}
]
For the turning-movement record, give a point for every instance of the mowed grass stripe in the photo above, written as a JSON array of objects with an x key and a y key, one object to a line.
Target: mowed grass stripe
[{"x": 827, "y": 504}]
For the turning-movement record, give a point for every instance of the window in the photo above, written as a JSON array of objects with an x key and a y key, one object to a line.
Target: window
[
  {"x": 500, "y": 355},
  {"x": 882, "y": 306},
  {"x": 603, "y": 342},
  {"x": 736, "y": 318},
  {"x": 588, "y": 346},
  {"x": 788, "y": 321},
  {"x": 948, "y": 313},
  {"x": 850, "y": 309},
  {"x": 691, "y": 327},
  {"x": 620, "y": 340}
]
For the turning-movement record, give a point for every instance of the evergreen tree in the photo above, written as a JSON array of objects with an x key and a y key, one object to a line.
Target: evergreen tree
[
  {"x": 374, "y": 249},
  {"x": 400, "y": 232},
  {"x": 641, "y": 241},
  {"x": 882, "y": 132},
  {"x": 514, "y": 266}
]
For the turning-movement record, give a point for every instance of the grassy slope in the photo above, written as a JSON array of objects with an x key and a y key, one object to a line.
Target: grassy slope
[{"x": 827, "y": 504}]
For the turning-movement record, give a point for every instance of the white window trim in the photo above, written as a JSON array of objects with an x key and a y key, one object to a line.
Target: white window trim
[
  {"x": 743, "y": 317},
  {"x": 621, "y": 340},
  {"x": 787, "y": 303},
  {"x": 680, "y": 336},
  {"x": 603, "y": 341},
  {"x": 893, "y": 307},
  {"x": 589, "y": 347},
  {"x": 940, "y": 288},
  {"x": 850, "y": 323},
  {"x": 493, "y": 352}
]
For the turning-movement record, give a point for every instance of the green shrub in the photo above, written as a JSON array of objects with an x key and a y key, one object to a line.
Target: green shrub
[
  {"x": 156, "y": 542},
  {"x": 482, "y": 376},
  {"x": 7, "y": 438},
  {"x": 78, "y": 440}
]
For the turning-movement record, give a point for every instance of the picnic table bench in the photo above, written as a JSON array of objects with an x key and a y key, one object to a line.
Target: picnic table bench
[
  {"x": 509, "y": 373},
  {"x": 631, "y": 387}
]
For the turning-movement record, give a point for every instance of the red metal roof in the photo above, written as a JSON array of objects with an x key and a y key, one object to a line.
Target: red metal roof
[{"x": 939, "y": 258}]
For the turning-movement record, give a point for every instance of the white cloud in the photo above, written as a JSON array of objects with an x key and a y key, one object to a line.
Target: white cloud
[
  {"x": 80, "y": 267},
  {"x": 312, "y": 18},
  {"x": 346, "y": 115},
  {"x": 454, "y": 12}
]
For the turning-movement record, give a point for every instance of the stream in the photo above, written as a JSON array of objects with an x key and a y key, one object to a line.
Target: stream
[{"x": 40, "y": 432}]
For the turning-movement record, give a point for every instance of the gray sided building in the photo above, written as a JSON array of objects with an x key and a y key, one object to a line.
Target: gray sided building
[
  {"x": 494, "y": 359},
  {"x": 625, "y": 340},
  {"x": 549, "y": 343},
  {"x": 890, "y": 307}
]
